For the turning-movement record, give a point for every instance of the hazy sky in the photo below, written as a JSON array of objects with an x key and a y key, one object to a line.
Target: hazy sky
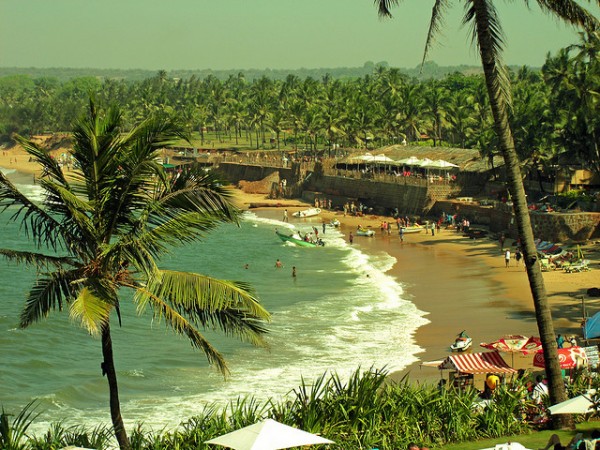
[{"x": 243, "y": 34}]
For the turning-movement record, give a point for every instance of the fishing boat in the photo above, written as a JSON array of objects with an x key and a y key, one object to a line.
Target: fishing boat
[
  {"x": 462, "y": 342},
  {"x": 295, "y": 239},
  {"x": 310, "y": 212},
  {"x": 365, "y": 232},
  {"x": 416, "y": 228}
]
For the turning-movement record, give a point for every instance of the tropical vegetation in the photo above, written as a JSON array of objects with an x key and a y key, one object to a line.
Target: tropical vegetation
[
  {"x": 100, "y": 230},
  {"x": 488, "y": 38},
  {"x": 552, "y": 116},
  {"x": 364, "y": 411}
]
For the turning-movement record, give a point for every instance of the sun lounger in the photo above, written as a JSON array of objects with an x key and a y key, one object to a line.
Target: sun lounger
[
  {"x": 579, "y": 266},
  {"x": 544, "y": 245},
  {"x": 546, "y": 265}
]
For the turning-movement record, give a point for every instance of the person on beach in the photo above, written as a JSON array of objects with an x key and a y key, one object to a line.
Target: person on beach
[
  {"x": 507, "y": 258},
  {"x": 501, "y": 240},
  {"x": 560, "y": 341},
  {"x": 540, "y": 389},
  {"x": 285, "y": 215},
  {"x": 413, "y": 446},
  {"x": 294, "y": 271},
  {"x": 576, "y": 443},
  {"x": 278, "y": 264},
  {"x": 518, "y": 256},
  {"x": 351, "y": 238},
  {"x": 401, "y": 234}
]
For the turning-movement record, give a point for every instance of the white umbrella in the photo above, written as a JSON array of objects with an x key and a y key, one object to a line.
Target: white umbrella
[
  {"x": 413, "y": 160},
  {"x": 366, "y": 157},
  {"x": 581, "y": 404},
  {"x": 440, "y": 164},
  {"x": 507, "y": 446},
  {"x": 267, "y": 435},
  {"x": 381, "y": 158},
  {"x": 424, "y": 162}
]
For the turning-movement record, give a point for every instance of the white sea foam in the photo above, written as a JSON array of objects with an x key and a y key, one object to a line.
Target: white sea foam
[{"x": 366, "y": 322}]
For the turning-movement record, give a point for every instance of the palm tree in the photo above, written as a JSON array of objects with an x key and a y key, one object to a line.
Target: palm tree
[
  {"x": 104, "y": 227},
  {"x": 488, "y": 36}
]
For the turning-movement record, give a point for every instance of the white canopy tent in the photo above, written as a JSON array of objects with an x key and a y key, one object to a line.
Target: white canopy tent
[
  {"x": 268, "y": 435},
  {"x": 440, "y": 164}
]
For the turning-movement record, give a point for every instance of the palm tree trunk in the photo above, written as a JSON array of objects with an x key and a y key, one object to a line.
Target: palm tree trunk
[
  {"x": 515, "y": 184},
  {"x": 108, "y": 369}
]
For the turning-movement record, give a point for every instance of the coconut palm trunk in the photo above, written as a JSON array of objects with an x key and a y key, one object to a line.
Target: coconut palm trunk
[
  {"x": 515, "y": 185},
  {"x": 108, "y": 369}
]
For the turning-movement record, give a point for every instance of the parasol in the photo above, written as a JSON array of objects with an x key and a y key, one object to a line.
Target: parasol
[{"x": 515, "y": 343}]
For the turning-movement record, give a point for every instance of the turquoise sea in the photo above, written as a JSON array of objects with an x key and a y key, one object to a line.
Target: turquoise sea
[{"x": 342, "y": 311}]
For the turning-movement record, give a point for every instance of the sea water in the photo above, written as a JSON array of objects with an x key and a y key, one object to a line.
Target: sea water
[{"x": 341, "y": 312}]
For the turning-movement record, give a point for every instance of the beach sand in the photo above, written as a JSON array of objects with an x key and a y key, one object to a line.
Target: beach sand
[{"x": 461, "y": 283}]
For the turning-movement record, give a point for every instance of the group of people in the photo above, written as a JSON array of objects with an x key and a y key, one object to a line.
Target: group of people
[{"x": 279, "y": 265}]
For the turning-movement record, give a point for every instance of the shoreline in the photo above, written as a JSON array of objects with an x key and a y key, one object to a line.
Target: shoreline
[{"x": 460, "y": 283}]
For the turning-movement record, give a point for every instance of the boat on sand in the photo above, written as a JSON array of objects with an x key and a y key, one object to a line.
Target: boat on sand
[
  {"x": 462, "y": 342},
  {"x": 364, "y": 232},
  {"x": 416, "y": 228},
  {"x": 295, "y": 239},
  {"x": 310, "y": 212}
]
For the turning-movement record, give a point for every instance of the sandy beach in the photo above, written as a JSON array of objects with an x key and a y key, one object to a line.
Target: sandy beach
[
  {"x": 451, "y": 276},
  {"x": 461, "y": 283}
]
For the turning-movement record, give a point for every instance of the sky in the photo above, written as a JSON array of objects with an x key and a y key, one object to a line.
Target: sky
[{"x": 257, "y": 34}]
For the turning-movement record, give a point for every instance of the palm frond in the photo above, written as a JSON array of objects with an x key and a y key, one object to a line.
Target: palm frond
[
  {"x": 571, "y": 12},
  {"x": 37, "y": 223},
  {"x": 483, "y": 19},
  {"x": 195, "y": 293},
  {"x": 51, "y": 168},
  {"x": 384, "y": 7},
  {"x": 435, "y": 24},
  {"x": 38, "y": 260},
  {"x": 178, "y": 323},
  {"x": 90, "y": 310},
  {"x": 47, "y": 294},
  {"x": 198, "y": 191}
]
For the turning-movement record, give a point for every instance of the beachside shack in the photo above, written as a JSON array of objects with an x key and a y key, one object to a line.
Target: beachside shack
[{"x": 464, "y": 366}]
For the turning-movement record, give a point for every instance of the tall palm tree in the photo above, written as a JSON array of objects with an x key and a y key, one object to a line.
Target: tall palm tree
[
  {"x": 488, "y": 36},
  {"x": 103, "y": 228}
]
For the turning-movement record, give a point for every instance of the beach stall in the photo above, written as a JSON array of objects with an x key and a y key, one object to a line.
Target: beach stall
[
  {"x": 463, "y": 367},
  {"x": 568, "y": 358}
]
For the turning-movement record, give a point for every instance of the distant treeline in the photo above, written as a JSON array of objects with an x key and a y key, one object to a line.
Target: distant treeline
[
  {"x": 429, "y": 70},
  {"x": 554, "y": 114}
]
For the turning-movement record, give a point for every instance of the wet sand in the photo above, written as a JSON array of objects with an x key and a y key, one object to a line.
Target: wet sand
[
  {"x": 463, "y": 284},
  {"x": 460, "y": 283}
]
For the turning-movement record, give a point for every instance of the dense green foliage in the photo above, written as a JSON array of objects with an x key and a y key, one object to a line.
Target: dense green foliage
[
  {"x": 553, "y": 115},
  {"x": 361, "y": 412},
  {"x": 429, "y": 70}
]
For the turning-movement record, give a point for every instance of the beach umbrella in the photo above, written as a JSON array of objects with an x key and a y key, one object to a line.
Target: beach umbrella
[
  {"x": 424, "y": 163},
  {"x": 507, "y": 446},
  {"x": 382, "y": 158},
  {"x": 440, "y": 164},
  {"x": 582, "y": 404},
  {"x": 413, "y": 160},
  {"x": 367, "y": 157},
  {"x": 515, "y": 343},
  {"x": 268, "y": 435},
  {"x": 568, "y": 358}
]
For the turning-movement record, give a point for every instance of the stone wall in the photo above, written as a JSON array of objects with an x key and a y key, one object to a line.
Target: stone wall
[
  {"x": 417, "y": 199},
  {"x": 409, "y": 199},
  {"x": 557, "y": 227}
]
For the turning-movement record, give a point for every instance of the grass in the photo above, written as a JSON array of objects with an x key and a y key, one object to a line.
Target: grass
[{"x": 534, "y": 440}]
